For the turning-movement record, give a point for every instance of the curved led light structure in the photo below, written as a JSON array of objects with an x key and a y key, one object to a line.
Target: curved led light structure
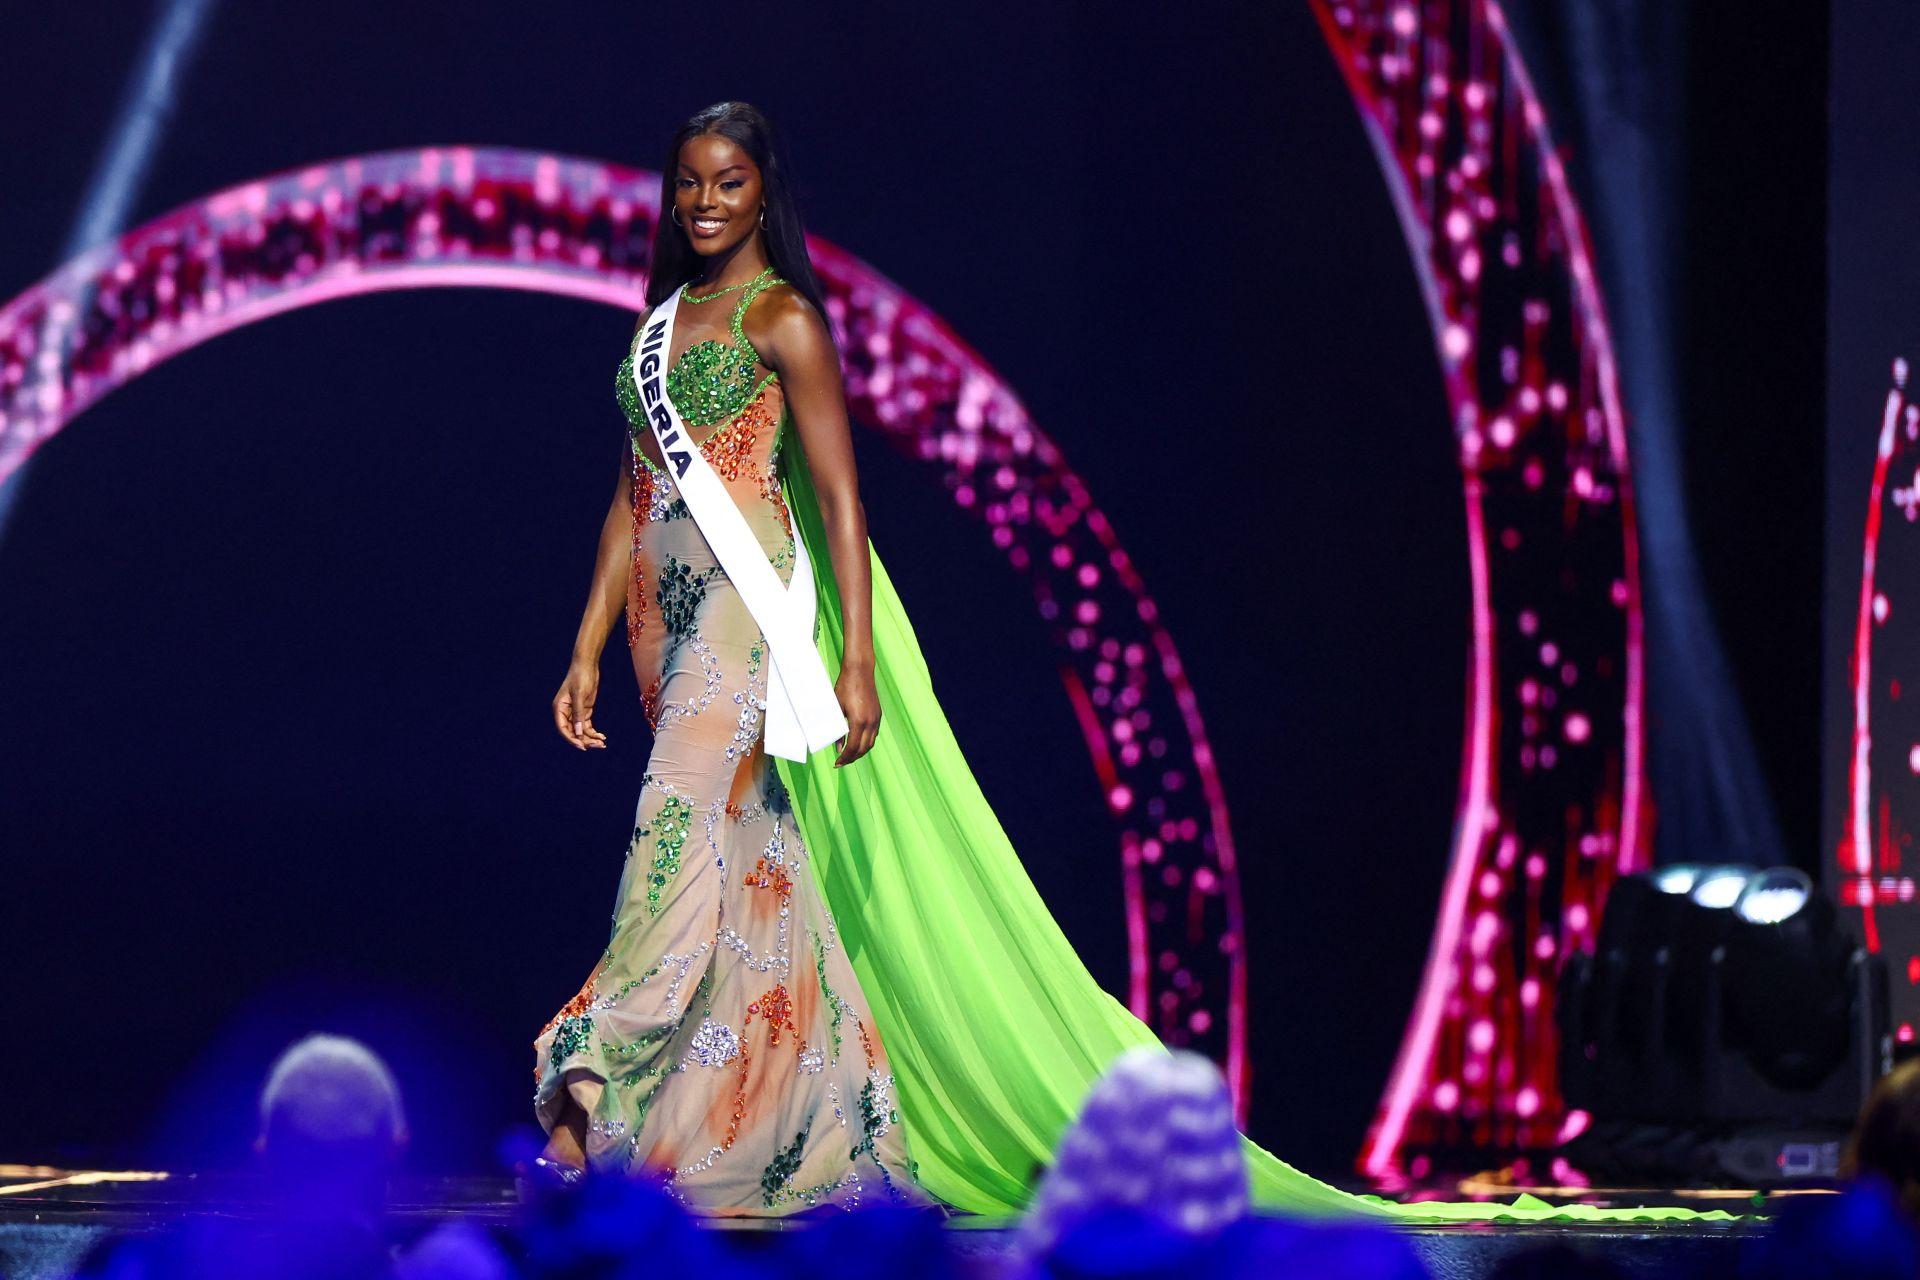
[
  {"x": 467, "y": 216},
  {"x": 1872, "y": 872},
  {"x": 1550, "y": 807}
]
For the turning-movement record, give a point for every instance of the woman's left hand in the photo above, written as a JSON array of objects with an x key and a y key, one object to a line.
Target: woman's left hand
[{"x": 860, "y": 704}]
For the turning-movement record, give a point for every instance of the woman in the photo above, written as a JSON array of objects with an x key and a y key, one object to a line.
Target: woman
[
  {"x": 883, "y": 1009},
  {"x": 724, "y": 1038}
]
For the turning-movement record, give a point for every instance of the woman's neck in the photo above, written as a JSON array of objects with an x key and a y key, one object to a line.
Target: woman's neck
[{"x": 741, "y": 263}]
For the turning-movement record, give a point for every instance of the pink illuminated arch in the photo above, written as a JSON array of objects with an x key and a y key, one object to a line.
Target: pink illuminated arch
[
  {"x": 1873, "y": 872},
  {"x": 1550, "y": 806},
  {"x": 467, "y": 216}
]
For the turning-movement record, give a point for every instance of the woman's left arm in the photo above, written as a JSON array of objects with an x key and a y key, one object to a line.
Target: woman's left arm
[{"x": 800, "y": 348}]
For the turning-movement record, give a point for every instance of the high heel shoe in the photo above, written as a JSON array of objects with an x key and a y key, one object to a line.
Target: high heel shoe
[{"x": 542, "y": 1174}]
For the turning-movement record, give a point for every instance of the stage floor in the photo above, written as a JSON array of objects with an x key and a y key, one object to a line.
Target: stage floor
[{"x": 50, "y": 1218}]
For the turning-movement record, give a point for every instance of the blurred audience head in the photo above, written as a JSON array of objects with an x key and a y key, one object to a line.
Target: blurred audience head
[
  {"x": 1860, "y": 1234},
  {"x": 331, "y": 1127},
  {"x": 1127, "y": 1243},
  {"x": 1886, "y": 1140},
  {"x": 876, "y": 1241},
  {"x": 453, "y": 1251},
  {"x": 614, "y": 1227},
  {"x": 1156, "y": 1136},
  {"x": 1556, "y": 1260},
  {"x": 1260, "y": 1248}
]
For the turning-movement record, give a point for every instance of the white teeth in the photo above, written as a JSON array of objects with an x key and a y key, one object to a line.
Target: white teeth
[{"x": 708, "y": 224}]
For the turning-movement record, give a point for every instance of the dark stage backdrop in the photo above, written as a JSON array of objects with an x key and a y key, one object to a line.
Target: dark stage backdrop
[{"x": 282, "y": 619}]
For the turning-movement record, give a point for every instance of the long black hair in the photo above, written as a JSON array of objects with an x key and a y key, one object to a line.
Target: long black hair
[{"x": 675, "y": 262}]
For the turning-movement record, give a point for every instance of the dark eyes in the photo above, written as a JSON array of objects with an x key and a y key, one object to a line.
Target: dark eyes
[{"x": 730, "y": 182}]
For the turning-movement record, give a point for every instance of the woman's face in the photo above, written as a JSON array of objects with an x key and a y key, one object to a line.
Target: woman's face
[{"x": 717, "y": 194}]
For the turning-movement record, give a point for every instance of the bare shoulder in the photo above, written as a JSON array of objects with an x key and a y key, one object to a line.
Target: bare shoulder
[
  {"x": 641, "y": 323},
  {"x": 785, "y": 314},
  {"x": 787, "y": 328}
]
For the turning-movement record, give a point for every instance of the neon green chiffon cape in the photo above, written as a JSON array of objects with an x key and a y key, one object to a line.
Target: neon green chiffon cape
[{"x": 993, "y": 1027}]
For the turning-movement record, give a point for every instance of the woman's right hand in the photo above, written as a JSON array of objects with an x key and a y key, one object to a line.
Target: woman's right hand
[{"x": 573, "y": 706}]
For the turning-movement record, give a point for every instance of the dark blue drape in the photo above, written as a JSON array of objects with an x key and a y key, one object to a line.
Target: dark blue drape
[{"x": 1613, "y": 79}]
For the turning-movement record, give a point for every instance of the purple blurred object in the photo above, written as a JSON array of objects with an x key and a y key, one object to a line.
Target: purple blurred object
[
  {"x": 453, "y": 1251},
  {"x": 1156, "y": 1134},
  {"x": 615, "y": 1229}
]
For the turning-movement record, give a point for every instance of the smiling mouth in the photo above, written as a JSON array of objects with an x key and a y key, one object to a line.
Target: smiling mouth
[{"x": 707, "y": 226}]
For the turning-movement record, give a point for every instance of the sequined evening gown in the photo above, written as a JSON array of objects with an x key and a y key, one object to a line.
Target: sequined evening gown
[{"x": 722, "y": 1041}]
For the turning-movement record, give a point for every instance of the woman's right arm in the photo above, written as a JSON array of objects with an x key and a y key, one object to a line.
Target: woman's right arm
[{"x": 606, "y": 605}]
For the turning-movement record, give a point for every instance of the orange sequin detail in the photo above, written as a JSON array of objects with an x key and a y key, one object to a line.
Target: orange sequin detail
[
  {"x": 642, "y": 494},
  {"x": 637, "y": 595},
  {"x": 731, "y": 447},
  {"x": 728, "y": 450},
  {"x": 777, "y": 1008},
  {"x": 775, "y": 879},
  {"x": 739, "y": 1099}
]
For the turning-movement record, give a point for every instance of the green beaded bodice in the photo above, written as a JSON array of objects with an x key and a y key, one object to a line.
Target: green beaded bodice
[{"x": 711, "y": 381}]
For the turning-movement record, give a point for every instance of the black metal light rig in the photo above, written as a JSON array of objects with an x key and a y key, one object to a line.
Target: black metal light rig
[{"x": 1725, "y": 1029}]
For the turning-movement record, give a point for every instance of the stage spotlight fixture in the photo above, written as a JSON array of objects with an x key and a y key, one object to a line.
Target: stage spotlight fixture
[
  {"x": 1633, "y": 916},
  {"x": 1678, "y": 878},
  {"x": 1720, "y": 887},
  {"x": 1694, "y": 933},
  {"x": 1627, "y": 956},
  {"x": 1773, "y": 896},
  {"x": 1786, "y": 981},
  {"x": 1724, "y": 1012}
]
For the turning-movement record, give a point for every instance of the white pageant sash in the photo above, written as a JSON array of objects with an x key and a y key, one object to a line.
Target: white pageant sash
[{"x": 803, "y": 711}]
